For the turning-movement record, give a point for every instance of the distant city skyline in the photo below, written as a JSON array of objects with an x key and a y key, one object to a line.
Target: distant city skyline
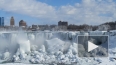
[{"x": 92, "y": 12}]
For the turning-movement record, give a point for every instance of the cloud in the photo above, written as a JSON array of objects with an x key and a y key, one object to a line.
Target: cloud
[
  {"x": 86, "y": 12},
  {"x": 90, "y": 12},
  {"x": 28, "y": 7}
]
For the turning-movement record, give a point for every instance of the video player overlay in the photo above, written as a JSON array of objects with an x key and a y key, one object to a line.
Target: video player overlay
[{"x": 93, "y": 46}]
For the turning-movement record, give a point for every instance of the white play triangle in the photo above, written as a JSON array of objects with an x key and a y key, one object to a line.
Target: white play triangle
[{"x": 91, "y": 46}]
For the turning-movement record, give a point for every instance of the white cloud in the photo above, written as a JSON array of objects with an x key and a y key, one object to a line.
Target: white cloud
[
  {"x": 28, "y": 7},
  {"x": 88, "y": 11}
]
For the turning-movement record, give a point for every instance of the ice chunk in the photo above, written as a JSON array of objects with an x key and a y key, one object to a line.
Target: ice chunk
[
  {"x": 54, "y": 45},
  {"x": 6, "y": 55},
  {"x": 24, "y": 46}
]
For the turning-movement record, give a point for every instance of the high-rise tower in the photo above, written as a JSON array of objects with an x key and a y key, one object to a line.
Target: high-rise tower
[
  {"x": 1, "y": 21},
  {"x": 12, "y": 21}
]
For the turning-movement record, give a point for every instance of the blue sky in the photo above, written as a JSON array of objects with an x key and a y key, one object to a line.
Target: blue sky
[
  {"x": 58, "y": 3},
  {"x": 39, "y": 12}
]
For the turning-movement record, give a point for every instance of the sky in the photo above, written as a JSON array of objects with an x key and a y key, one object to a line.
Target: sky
[{"x": 39, "y": 12}]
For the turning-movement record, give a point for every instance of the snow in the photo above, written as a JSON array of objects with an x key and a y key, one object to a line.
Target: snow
[
  {"x": 24, "y": 46},
  {"x": 97, "y": 32},
  {"x": 54, "y": 45},
  {"x": 36, "y": 48},
  {"x": 19, "y": 64}
]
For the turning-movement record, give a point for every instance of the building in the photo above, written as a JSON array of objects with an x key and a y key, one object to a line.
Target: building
[
  {"x": 22, "y": 23},
  {"x": 43, "y": 27},
  {"x": 35, "y": 27},
  {"x": 12, "y": 21},
  {"x": 1, "y": 21},
  {"x": 62, "y": 23}
]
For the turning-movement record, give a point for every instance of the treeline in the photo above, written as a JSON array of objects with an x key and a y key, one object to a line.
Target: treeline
[
  {"x": 84, "y": 27},
  {"x": 111, "y": 24},
  {"x": 102, "y": 27}
]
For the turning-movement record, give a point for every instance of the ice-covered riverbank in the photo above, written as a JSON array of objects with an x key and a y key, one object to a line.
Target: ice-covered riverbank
[{"x": 49, "y": 47}]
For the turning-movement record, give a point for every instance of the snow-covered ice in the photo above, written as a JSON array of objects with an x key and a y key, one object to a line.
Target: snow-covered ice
[{"x": 47, "y": 47}]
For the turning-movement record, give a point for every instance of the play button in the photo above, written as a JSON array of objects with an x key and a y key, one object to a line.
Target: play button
[{"x": 91, "y": 46}]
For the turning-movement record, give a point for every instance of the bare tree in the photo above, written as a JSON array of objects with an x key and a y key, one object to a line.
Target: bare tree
[{"x": 103, "y": 27}]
